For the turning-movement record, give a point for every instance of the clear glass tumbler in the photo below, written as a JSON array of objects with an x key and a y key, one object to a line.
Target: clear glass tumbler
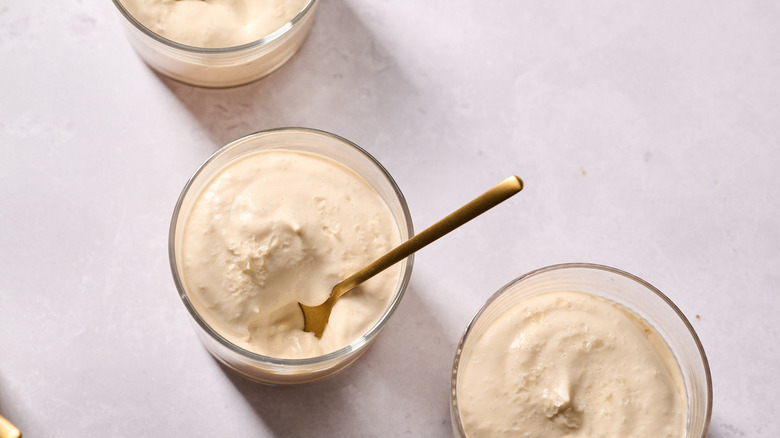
[
  {"x": 219, "y": 67},
  {"x": 255, "y": 366},
  {"x": 621, "y": 288}
]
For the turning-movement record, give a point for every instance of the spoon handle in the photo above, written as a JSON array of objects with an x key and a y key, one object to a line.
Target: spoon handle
[
  {"x": 8, "y": 430},
  {"x": 482, "y": 203}
]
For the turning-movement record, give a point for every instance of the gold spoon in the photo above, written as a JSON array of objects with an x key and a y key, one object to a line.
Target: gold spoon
[
  {"x": 8, "y": 430},
  {"x": 315, "y": 318}
]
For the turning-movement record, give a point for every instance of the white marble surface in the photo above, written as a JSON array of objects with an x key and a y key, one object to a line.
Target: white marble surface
[{"x": 648, "y": 134}]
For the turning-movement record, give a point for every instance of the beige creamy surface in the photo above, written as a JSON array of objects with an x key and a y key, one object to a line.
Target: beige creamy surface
[
  {"x": 214, "y": 23},
  {"x": 275, "y": 228},
  {"x": 569, "y": 364}
]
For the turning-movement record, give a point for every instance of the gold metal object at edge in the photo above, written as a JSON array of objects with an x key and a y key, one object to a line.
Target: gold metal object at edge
[{"x": 8, "y": 430}]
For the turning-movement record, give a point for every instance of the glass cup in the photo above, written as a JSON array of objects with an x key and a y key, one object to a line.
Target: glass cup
[
  {"x": 621, "y": 288},
  {"x": 219, "y": 67},
  {"x": 255, "y": 366}
]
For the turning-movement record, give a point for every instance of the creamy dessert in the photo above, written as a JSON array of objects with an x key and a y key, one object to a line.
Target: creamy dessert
[
  {"x": 213, "y": 23},
  {"x": 277, "y": 227},
  {"x": 570, "y": 364}
]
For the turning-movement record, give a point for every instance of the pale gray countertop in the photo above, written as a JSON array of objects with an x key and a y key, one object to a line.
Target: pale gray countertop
[{"x": 648, "y": 135}]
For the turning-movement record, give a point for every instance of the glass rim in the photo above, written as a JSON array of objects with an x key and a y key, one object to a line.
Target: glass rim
[
  {"x": 566, "y": 266},
  {"x": 265, "y": 40},
  {"x": 361, "y": 341}
]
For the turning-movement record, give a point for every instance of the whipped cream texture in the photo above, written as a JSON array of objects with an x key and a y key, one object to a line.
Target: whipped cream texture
[
  {"x": 570, "y": 364},
  {"x": 213, "y": 23},
  {"x": 277, "y": 227}
]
